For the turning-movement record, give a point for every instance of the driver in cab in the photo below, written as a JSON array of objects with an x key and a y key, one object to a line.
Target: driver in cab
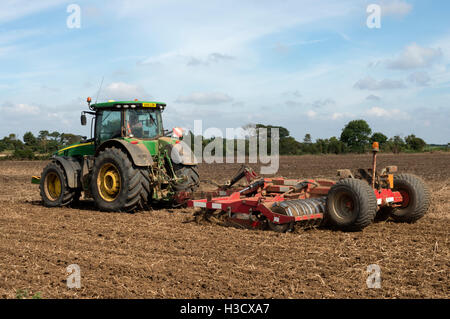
[{"x": 134, "y": 126}]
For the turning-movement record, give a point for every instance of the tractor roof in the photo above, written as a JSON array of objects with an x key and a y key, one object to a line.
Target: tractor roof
[{"x": 119, "y": 104}]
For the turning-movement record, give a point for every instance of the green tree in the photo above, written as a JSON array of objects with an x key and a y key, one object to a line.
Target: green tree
[
  {"x": 322, "y": 145},
  {"x": 307, "y": 139},
  {"x": 283, "y": 135},
  {"x": 25, "y": 153},
  {"x": 380, "y": 138},
  {"x": 396, "y": 144},
  {"x": 283, "y": 132},
  {"x": 356, "y": 135},
  {"x": 335, "y": 146},
  {"x": 289, "y": 146},
  {"x": 43, "y": 135},
  {"x": 415, "y": 143},
  {"x": 54, "y": 135},
  {"x": 30, "y": 140}
]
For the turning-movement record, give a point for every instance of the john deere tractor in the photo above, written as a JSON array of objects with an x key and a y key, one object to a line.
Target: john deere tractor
[{"x": 129, "y": 163}]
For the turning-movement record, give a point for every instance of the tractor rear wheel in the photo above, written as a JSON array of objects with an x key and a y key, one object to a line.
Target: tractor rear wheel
[
  {"x": 116, "y": 184},
  {"x": 53, "y": 187},
  {"x": 416, "y": 198},
  {"x": 351, "y": 205}
]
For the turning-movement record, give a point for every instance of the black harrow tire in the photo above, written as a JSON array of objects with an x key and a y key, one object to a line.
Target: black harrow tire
[
  {"x": 361, "y": 201},
  {"x": 67, "y": 195},
  {"x": 134, "y": 183},
  {"x": 191, "y": 178},
  {"x": 280, "y": 228},
  {"x": 418, "y": 198}
]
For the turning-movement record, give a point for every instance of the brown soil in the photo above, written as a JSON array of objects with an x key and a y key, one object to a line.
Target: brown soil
[{"x": 160, "y": 254}]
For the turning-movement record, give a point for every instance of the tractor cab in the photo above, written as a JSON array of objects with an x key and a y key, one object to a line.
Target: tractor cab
[{"x": 126, "y": 119}]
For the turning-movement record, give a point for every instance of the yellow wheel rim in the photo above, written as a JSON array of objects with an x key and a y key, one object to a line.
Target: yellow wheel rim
[
  {"x": 108, "y": 182},
  {"x": 52, "y": 186}
]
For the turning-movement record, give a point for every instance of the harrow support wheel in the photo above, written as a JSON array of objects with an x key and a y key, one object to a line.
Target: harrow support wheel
[
  {"x": 116, "y": 184},
  {"x": 53, "y": 187},
  {"x": 416, "y": 198},
  {"x": 351, "y": 205},
  {"x": 280, "y": 228}
]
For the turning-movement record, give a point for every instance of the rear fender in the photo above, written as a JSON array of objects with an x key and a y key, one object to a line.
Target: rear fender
[
  {"x": 72, "y": 168},
  {"x": 138, "y": 152}
]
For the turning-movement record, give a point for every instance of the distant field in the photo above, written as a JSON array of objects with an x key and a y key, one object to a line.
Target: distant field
[{"x": 161, "y": 254}]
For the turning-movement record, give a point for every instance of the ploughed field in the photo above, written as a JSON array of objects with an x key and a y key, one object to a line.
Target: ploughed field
[{"x": 162, "y": 254}]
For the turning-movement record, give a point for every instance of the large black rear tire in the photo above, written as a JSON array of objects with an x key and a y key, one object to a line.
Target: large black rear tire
[
  {"x": 351, "y": 205},
  {"x": 416, "y": 198},
  {"x": 116, "y": 184}
]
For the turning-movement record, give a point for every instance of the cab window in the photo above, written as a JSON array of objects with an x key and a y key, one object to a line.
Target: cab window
[
  {"x": 108, "y": 125},
  {"x": 142, "y": 123}
]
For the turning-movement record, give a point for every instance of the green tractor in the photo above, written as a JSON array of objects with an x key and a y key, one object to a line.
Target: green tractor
[{"x": 130, "y": 163}]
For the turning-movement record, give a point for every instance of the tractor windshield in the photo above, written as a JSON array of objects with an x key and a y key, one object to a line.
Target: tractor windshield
[{"x": 143, "y": 123}]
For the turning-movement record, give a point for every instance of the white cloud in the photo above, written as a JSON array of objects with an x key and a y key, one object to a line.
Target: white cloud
[
  {"x": 205, "y": 98},
  {"x": 19, "y": 109},
  {"x": 124, "y": 91},
  {"x": 210, "y": 59},
  {"x": 414, "y": 56},
  {"x": 323, "y": 102},
  {"x": 373, "y": 97},
  {"x": 420, "y": 78},
  {"x": 395, "y": 8},
  {"x": 293, "y": 93},
  {"x": 337, "y": 115},
  {"x": 387, "y": 113},
  {"x": 195, "y": 29},
  {"x": 311, "y": 114},
  {"x": 369, "y": 83},
  {"x": 291, "y": 103}
]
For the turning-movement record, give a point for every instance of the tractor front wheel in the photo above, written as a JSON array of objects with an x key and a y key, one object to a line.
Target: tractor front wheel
[
  {"x": 53, "y": 187},
  {"x": 351, "y": 205},
  {"x": 116, "y": 184}
]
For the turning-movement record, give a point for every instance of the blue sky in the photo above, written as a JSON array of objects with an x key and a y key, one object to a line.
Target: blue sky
[{"x": 310, "y": 66}]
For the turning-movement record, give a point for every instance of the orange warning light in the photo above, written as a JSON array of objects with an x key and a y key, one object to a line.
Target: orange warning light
[{"x": 375, "y": 146}]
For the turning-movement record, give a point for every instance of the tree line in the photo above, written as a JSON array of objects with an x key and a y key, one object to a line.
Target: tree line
[
  {"x": 36, "y": 147},
  {"x": 356, "y": 137}
]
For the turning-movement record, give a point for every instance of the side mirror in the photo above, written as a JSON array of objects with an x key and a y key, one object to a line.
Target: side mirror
[{"x": 83, "y": 119}]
